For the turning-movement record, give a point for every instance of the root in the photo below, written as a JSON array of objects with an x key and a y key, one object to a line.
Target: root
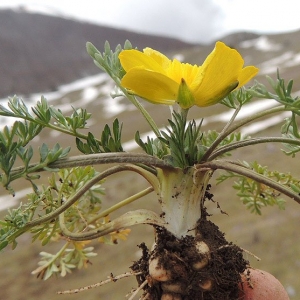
[
  {"x": 111, "y": 278},
  {"x": 138, "y": 289},
  {"x": 203, "y": 267},
  {"x": 251, "y": 254}
]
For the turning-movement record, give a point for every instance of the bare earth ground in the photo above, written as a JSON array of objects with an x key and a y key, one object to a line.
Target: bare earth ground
[{"x": 274, "y": 236}]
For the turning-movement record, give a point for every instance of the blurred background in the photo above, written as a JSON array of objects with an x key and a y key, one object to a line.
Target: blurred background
[{"x": 42, "y": 52}]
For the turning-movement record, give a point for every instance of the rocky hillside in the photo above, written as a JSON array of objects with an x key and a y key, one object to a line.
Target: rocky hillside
[{"x": 39, "y": 52}]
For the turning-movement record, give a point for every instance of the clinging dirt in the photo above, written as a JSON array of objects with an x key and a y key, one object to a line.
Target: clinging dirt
[{"x": 188, "y": 273}]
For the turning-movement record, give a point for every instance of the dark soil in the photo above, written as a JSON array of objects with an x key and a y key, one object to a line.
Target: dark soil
[{"x": 225, "y": 265}]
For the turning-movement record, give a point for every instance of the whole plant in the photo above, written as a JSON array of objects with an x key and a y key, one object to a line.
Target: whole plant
[{"x": 190, "y": 256}]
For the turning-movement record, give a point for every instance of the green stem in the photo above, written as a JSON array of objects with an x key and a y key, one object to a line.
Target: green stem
[
  {"x": 131, "y": 218},
  {"x": 184, "y": 113},
  {"x": 257, "y": 116},
  {"x": 138, "y": 105},
  {"x": 222, "y": 135},
  {"x": 238, "y": 169},
  {"x": 96, "y": 159},
  {"x": 81, "y": 192},
  {"x": 47, "y": 125},
  {"x": 122, "y": 203},
  {"x": 68, "y": 203},
  {"x": 233, "y": 127},
  {"x": 250, "y": 142}
]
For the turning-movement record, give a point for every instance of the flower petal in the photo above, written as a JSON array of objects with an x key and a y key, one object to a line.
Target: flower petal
[
  {"x": 220, "y": 72},
  {"x": 218, "y": 96},
  {"x": 153, "y": 86},
  {"x": 134, "y": 58},
  {"x": 247, "y": 74},
  {"x": 178, "y": 71},
  {"x": 158, "y": 57},
  {"x": 153, "y": 76}
]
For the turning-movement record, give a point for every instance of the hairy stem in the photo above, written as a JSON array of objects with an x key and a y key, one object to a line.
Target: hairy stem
[
  {"x": 122, "y": 203},
  {"x": 250, "y": 142},
  {"x": 229, "y": 128},
  {"x": 44, "y": 124},
  {"x": 81, "y": 192},
  {"x": 138, "y": 105},
  {"x": 131, "y": 218},
  {"x": 96, "y": 159},
  {"x": 239, "y": 169},
  {"x": 222, "y": 134}
]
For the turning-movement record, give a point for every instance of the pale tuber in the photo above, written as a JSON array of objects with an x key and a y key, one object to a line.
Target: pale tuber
[{"x": 157, "y": 271}]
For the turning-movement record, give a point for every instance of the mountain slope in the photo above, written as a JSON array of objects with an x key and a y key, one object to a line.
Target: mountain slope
[{"x": 39, "y": 52}]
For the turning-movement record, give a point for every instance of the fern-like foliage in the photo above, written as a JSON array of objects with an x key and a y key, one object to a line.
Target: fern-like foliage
[
  {"x": 108, "y": 61},
  {"x": 46, "y": 200},
  {"x": 256, "y": 195},
  {"x": 237, "y": 98},
  {"x": 183, "y": 141},
  {"x": 110, "y": 140},
  {"x": 153, "y": 147}
]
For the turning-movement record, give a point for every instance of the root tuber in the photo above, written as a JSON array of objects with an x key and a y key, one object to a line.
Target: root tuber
[{"x": 261, "y": 285}]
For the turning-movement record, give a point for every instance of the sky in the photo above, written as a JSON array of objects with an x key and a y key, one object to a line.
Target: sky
[{"x": 189, "y": 20}]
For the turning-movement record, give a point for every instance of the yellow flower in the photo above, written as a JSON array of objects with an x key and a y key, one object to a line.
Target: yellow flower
[{"x": 156, "y": 78}]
